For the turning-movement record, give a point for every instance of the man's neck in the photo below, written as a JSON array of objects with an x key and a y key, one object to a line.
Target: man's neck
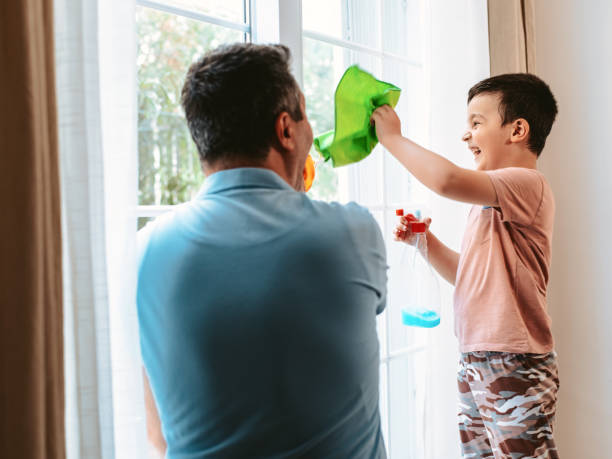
[
  {"x": 279, "y": 163},
  {"x": 275, "y": 161}
]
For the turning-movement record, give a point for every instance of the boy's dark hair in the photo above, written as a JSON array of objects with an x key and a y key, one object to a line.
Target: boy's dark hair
[
  {"x": 232, "y": 97},
  {"x": 522, "y": 95}
]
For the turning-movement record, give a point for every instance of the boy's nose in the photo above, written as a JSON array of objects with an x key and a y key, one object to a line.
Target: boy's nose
[{"x": 466, "y": 136}]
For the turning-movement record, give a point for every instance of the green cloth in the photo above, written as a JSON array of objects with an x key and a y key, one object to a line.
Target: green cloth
[{"x": 357, "y": 96}]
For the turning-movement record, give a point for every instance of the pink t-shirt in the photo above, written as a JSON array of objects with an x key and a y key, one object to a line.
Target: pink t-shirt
[{"x": 500, "y": 288}]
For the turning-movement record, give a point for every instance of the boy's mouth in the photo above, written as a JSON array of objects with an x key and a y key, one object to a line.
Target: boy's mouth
[{"x": 476, "y": 151}]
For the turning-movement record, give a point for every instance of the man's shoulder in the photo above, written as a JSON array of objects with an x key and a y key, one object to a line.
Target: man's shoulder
[
  {"x": 159, "y": 222},
  {"x": 353, "y": 223},
  {"x": 160, "y": 226},
  {"x": 351, "y": 213}
]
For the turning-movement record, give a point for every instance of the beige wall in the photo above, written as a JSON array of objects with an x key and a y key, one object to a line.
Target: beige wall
[{"x": 574, "y": 55}]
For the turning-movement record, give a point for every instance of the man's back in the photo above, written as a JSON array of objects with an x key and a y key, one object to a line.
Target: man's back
[{"x": 257, "y": 320}]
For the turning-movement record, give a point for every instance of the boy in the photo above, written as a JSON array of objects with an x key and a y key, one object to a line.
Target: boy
[{"x": 507, "y": 377}]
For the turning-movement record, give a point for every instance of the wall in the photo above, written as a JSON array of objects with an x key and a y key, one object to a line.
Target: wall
[{"x": 574, "y": 55}]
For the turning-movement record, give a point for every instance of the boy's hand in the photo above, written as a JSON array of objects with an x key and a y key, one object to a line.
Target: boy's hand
[
  {"x": 387, "y": 123},
  {"x": 403, "y": 232}
]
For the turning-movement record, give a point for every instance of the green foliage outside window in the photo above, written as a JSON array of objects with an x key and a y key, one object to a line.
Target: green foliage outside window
[{"x": 169, "y": 168}]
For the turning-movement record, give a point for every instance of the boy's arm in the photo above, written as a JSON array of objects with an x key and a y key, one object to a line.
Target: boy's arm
[
  {"x": 432, "y": 170},
  {"x": 443, "y": 259}
]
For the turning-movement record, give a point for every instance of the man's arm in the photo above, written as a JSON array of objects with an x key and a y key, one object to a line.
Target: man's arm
[
  {"x": 432, "y": 170},
  {"x": 154, "y": 432}
]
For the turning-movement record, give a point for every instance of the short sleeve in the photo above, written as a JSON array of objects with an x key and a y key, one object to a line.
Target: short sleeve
[{"x": 519, "y": 193}]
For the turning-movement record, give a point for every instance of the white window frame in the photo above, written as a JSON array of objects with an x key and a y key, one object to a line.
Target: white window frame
[{"x": 151, "y": 211}]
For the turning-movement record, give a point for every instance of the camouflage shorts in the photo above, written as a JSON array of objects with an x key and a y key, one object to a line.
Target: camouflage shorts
[{"x": 507, "y": 405}]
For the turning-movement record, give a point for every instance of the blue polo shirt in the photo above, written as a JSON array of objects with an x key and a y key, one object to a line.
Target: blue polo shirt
[{"x": 257, "y": 310}]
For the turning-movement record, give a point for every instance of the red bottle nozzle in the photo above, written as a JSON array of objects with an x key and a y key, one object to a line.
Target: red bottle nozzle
[
  {"x": 415, "y": 225},
  {"x": 418, "y": 227}
]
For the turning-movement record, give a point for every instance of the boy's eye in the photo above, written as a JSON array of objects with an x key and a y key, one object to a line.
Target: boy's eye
[{"x": 475, "y": 123}]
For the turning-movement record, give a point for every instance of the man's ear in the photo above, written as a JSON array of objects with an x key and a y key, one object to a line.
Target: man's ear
[
  {"x": 285, "y": 131},
  {"x": 520, "y": 130}
]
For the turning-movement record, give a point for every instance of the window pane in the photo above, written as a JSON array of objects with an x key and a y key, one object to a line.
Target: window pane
[
  {"x": 383, "y": 399},
  {"x": 231, "y": 10},
  {"x": 402, "y": 30},
  {"x": 399, "y": 289},
  {"x": 321, "y": 74},
  {"x": 142, "y": 221},
  {"x": 366, "y": 178},
  {"x": 169, "y": 168},
  {"x": 414, "y": 124},
  {"x": 410, "y": 107},
  {"x": 329, "y": 23},
  {"x": 324, "y": 65},
  {"x": 407, "y": 406},
  {"x": 353, "y": 20},
  {"x": 398, "y": 182}
]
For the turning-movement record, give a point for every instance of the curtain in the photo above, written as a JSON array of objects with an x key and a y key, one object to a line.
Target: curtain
[
  {"x": 32, "y": 382},
  {"x": 118, "y": 89},
  {"x": 89, "y": 414},
  {"x": 457, "y": 57},
  {"x": 95, "y": 49},
  {"x": 511, "y": 36}
]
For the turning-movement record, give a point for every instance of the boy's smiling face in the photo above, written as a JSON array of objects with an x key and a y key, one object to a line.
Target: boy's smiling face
[{"x": 485, "y": 136}]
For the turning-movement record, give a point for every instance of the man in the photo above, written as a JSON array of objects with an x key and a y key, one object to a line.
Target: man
[{"x": 256, "y": 305}]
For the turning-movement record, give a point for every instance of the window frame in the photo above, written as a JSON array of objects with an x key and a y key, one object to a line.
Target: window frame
[
  {"x": 387, "y": 356},
  {"x": 246, "y": 27}
]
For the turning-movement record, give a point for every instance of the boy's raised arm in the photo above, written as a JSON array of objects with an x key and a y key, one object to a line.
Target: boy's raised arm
[{"x": 432, "y": 170}]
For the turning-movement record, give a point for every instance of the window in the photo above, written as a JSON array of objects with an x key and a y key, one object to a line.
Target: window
[
  {"x": 383, "y": 37},
  {"x": 171, "y": 35}
]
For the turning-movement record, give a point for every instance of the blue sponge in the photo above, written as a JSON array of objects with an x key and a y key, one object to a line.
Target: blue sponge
[{"x": 425, "y": 318}]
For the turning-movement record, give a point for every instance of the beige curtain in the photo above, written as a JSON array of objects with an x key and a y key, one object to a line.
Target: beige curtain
[
  {"x": 31, "y": 346},
  {"x": 511, "y": 36}
]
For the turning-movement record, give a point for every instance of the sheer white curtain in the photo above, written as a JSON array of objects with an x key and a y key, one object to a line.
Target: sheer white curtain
[
  {"x": 118, "y": 89},
  {"x": 96, "y": 92},
  {"x": 89, "y": 428},
  {"x": 457, "y": 57}
]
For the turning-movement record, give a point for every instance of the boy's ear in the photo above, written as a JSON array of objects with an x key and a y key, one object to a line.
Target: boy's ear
[{"x": 520, "y": 130}]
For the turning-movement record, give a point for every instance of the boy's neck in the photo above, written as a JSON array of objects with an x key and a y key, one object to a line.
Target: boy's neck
[{"x": 519, "y": 157}]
